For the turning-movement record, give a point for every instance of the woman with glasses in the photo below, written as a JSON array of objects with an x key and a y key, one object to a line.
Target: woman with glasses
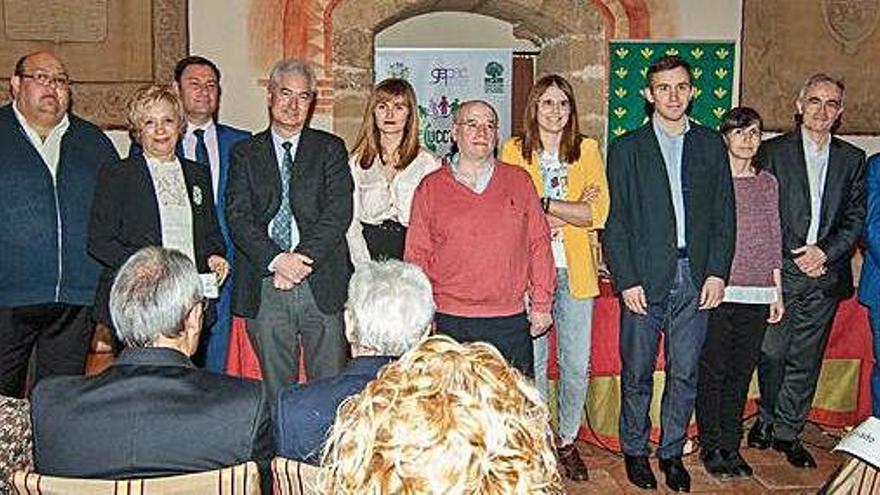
[
  {"x": 386, "y": 164},
  {"x": 157, "y": 199},
  {"x": 752, "y": 298},
  {"x": 566, "y": 169}
]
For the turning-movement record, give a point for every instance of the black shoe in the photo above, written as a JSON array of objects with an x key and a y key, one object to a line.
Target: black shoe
[
  {"x": 677, "y": 477},
  {"x": 571, "y": 464},
  {"x": 638, "y": 470},
  {"x": 761, "y": 435},
  {"x": 715, "y": 463},
  {"x": 795, "y": 453},
  {"x": 736, "y": 465}
]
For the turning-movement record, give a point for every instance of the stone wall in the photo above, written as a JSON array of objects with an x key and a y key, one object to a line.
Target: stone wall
[{"x": 571, "y": 35}]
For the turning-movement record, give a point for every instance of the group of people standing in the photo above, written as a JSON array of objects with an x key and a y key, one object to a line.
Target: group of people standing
[{"x": 711, "y": 238}]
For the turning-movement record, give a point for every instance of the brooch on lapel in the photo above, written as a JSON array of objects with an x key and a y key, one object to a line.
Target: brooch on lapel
[{"x": 197, "y": 195}]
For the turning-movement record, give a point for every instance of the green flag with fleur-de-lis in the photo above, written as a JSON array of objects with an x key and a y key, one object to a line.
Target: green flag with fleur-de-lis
[{"x": 712, "y": 63}]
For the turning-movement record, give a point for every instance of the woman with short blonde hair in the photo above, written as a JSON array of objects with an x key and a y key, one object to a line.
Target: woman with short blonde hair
[{"x": 154, "y": 199}]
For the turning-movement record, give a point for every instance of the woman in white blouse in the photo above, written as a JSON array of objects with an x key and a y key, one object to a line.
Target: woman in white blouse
[
  {"x": 387, "y": 164},
  {"x": 156, "y": 199}
]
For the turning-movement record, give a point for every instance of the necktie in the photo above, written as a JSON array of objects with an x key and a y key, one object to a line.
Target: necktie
[
  {"x": 201, "y": 149},
  {"x": 282, "y": 224}
]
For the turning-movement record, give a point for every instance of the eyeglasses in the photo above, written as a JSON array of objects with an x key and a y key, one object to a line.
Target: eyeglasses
[
  {"x": 473, "y": 126},
  {"x": 815, "y": 101},
  {"x": 302, "y": 97},
  {"x": 44, "y": 79},
  {"x": 548, "y": 105}
]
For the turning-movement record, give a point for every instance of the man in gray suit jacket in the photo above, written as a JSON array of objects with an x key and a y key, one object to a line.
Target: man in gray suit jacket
[
  {"x": 289, "y": 205},
  {"x": 669, "y": 240},
  {"x": 822, "y": 211},
  {"x": 152, "y": 413}
]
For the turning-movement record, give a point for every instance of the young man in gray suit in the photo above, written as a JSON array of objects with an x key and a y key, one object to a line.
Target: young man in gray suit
[
  {"x": 669, "y": 240},
  {"x": 289, "y": 204}
]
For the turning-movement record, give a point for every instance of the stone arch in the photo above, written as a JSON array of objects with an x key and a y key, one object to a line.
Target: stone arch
[{"x": 571, "y": 35}]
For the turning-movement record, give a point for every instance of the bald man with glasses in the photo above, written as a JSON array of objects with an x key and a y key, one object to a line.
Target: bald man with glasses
[{"x": 48, "y": 162}]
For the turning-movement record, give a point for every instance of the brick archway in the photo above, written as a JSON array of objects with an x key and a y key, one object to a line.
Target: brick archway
[{"x": 571, "y": 35}]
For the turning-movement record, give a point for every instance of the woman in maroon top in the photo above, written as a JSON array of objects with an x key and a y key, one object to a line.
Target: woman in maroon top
[{"x": 752, "y": 298}]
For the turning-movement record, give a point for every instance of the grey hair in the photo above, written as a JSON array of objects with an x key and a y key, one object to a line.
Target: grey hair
[
  {"x": 295, "y": 67},
  {"x": 820, "y": 78},
  {"x": 391, "y": 306},
  {"x": 152, "y": 295}
]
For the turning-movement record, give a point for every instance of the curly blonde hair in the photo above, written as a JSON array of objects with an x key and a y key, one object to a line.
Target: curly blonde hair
[{"x": 445, "y": 418}]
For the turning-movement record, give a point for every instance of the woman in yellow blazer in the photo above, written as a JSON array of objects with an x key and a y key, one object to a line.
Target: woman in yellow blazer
[{"x": 568, "y": 174}]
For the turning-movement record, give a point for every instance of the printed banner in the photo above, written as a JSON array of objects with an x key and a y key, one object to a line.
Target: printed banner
[
  {"x": 712, "y": 63},
  {"x": 443, "y": 79}
]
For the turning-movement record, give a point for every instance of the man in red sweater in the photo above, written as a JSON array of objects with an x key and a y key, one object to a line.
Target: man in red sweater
[{"x": 478, "y": 231}]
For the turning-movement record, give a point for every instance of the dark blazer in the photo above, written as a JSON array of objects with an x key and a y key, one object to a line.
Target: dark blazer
[
  {"x": 842, "y": 213},
  {"x": 869, "y": 281},
  {"x": 226, "y": 137},
  {"x": 640, "y": 239},
  {"x": 306, "y": 412},
  {"x": 321, "y": 200},
  {"x": 125, "y": 218},
  {"x": 44, "y": 222},
  {"x": 151, "y": 413}
]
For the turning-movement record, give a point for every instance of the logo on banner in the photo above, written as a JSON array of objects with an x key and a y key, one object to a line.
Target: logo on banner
[
  {"x": 436, "y": 119},
  {"x": 449, "y": 76},
  {"x": 398, "y": 70},
  {"x": 493, "y": 82}
]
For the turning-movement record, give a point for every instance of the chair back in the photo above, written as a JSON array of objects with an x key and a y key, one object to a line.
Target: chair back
[
  {"x": 854, "y": 477},
  {"x": 294, "y": 478},
  {"x": 241, "y": 479}
]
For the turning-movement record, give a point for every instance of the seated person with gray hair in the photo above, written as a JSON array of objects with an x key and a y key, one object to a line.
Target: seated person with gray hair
[
  {"x": 389, "y": 311},
  {"x": 151, "y": 413}
]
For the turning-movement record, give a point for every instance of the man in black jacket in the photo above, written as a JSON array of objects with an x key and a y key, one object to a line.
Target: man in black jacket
[
  {"x": 669, "y": 240},
  {"x": 822, "y": 209},
  {"x": 289, "y": 205},
  {"x": 152, "y": 413},
  {"x": 49, "y": 160}
]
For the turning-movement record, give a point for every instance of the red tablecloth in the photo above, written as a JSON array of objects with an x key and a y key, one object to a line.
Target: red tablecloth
[{"x": 843, "y": 396}]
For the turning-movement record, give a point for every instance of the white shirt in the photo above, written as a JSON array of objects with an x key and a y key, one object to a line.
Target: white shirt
[
  {"x": 817, "y": 169},
  {"x": 377, "y": 199},
  {"x": 175, "y": 213},
  {"x": 189, "y": 150},
  {"x": 49, "y": 149}
]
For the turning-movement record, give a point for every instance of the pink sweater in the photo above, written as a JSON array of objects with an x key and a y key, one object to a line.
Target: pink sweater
[
  {"x": 482, "y": 252},
  {"x": 758, "y": 233}
]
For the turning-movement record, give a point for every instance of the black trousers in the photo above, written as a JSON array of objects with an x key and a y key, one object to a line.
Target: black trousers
[
  {"x": 730, "y": 353},
  {"x": 61, "y": 333},
  {"x": 509, "y": 334},
  {"x": 791, "y": 358}
]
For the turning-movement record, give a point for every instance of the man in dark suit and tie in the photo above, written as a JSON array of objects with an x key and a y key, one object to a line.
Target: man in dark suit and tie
[
  {"x": 822, "y": 210},
  {"x": 669, "y": 240},
  {"x": 289, "y": 204},
  {"x": 151, "y": 413},
  {"x": 390, "y": 308},
  {"x": 207, "y": 141}
]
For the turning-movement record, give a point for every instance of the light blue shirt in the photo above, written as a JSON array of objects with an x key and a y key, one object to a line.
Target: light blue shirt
[
  {"x": 817, "y": 169},
  {"x": 277, "y": 142},
  {"x": 672, "y": 148}
]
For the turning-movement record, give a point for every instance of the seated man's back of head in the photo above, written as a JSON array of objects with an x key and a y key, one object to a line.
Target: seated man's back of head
[
  {"x": 389, "y": 311},
  {"x": 151, "y": 413}
]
